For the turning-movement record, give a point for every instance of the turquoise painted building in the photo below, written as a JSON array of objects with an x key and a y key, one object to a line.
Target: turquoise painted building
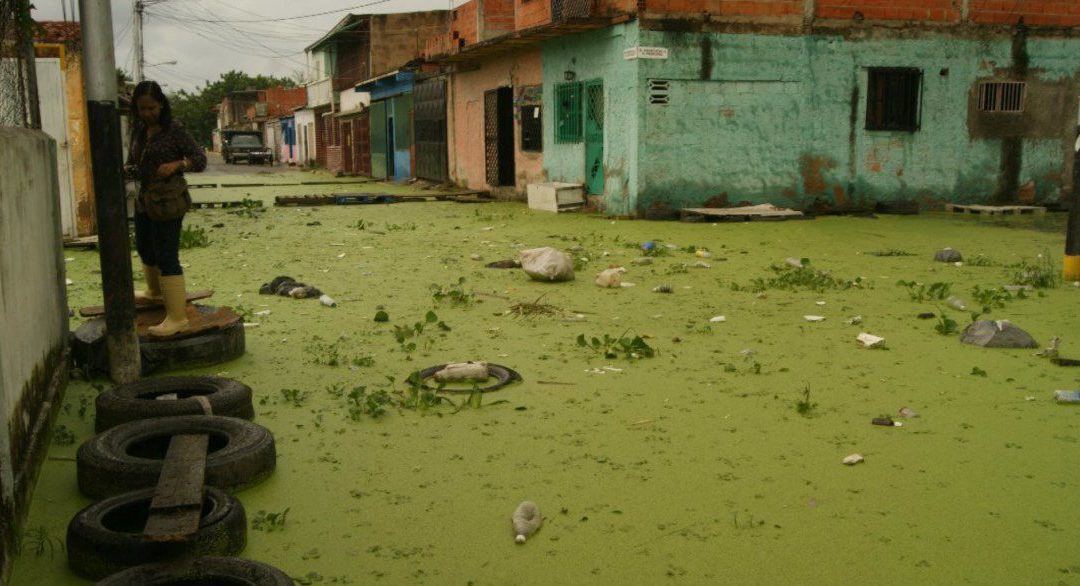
[{"x": 656, "y": 120}]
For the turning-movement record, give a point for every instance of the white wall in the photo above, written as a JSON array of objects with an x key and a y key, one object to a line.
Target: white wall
[
  {"x": 33, "y": 307},
  {"x": 305, "y": 134},
  {"x": 350, "y": 100}
]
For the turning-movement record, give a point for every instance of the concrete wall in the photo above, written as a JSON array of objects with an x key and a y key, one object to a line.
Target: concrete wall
[
  {"x": 305, "y": 135},
  {"x": 466, "y": 125},
  {"x": 782, "y": 118},
  {"x": 598, "y": 55},
  {"x": 33, "y": 311}
]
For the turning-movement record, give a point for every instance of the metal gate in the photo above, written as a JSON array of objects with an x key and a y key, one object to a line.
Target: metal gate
[
  {"x": 429, "y": 124},
  {"x": 378, "y": 139},
  {"x": 499, "y": 136},
  {"x": 594, "y": 137}
]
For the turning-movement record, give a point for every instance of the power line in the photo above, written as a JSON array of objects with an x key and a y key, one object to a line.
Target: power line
[{"x": 287, "y": 18}]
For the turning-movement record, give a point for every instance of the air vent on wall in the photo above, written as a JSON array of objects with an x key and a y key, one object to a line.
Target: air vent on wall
[
  {"x": 659, "y": 91},
  {"x": 1002, "y": 96}
]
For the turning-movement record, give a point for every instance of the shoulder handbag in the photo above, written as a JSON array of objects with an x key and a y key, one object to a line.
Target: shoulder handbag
[{"x": 167, "y": 199}]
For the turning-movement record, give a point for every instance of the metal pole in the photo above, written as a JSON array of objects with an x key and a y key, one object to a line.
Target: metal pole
[
  {"x": 99, "y": 67},
  {"x": 1072, "y": 233},
  {"x": 140, "y": 58}
]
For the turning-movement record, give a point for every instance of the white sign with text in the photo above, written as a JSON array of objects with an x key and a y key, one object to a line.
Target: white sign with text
[{"x": 645, "y": 53}]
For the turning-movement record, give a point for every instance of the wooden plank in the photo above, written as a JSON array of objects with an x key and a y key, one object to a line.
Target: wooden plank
[
  {"x": 99, "y": 310},
  {"x": 177, "y": 505},
  {"x": 758, "y": 211},
  {"x": 994, "y": 210},
  {"x": 87, "y": 242}
]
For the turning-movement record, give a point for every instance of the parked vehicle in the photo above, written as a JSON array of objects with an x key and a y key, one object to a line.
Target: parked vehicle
[{"x": 245, "y": 146}]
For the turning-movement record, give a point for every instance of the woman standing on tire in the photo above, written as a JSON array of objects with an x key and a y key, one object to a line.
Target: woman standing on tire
[{"x": 160, "y": 148}]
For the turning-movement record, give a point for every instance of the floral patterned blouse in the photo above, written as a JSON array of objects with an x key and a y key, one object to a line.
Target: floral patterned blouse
[{"x": 167, "y": 146}]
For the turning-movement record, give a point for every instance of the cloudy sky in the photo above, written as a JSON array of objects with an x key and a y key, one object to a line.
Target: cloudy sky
[{"x": 209, "y": 37}]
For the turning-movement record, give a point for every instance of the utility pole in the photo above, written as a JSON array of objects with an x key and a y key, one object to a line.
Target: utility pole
[
  {"x": 99, "y": 67},
  {"x": 140, "y": 58}
]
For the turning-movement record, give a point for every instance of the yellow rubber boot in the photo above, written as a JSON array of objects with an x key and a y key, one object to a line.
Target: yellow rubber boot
[
  {"x": 152, "y": 293},
  {"x": 172, "y": 288}
]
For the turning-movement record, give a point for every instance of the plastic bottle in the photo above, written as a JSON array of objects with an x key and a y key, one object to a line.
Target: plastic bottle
[
  {"x": 956, "y": 303},
  {"x": 526, "y": 519},
  {"x": 327, "y": 301}
]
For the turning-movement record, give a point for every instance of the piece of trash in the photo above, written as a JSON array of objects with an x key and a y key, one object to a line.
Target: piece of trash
[
  {"x": 476, "y": 257},
  {"x": 926, "y": 315},
  {"x": 718, "y": 319},
  {"x": 643, "y": 260},
  {"x": 342, "y": 255},
  {"x": 884, "y": 421},
  {"x": 610, "y": 278},
  {"x": 956, "y": 303},
  {"x": 1030, "y": 398},
  {"x": 69, "y": 281},
  {"x": 853, "y": 459},
  {"x": 327, "y": 301},
  {"x": 648, "y": 246},
  {"x": 463, "y": 371},
  {"x": 1067, "y": 396},
  {"x": 747, "y": 352},
  {"x": 547, "y": 264},
  {"x": 263, "y": 313},
  {"x": 870, "y": 340},
  {"x": 699, "y": 265},
  {"x": 794, "y": 262},
  {"x": 663, "y": 289},
  {"x": 69, "y": 259},
  {"x": 948, "y": 255},
  {"x": 702, "y": 253},
  {"x": 1051, "y": 350},
  {"x": 997, "y": 334},
  {"x": 822, "y": 303},
  {"x": 487, "y": 228},
  {"x": 908, "y": 412},
  {"x": 251, "y": 325},
  {"x": 1016, "y": 288},
  {"x": 814, "y": 317},
  {"x": 289, "y": 287},
  {"x": 612, "y": 369},
  {"x": 627, "y": 285},
  {"x": 526, "y": 520},
  {"x": 855, "y": 320}
]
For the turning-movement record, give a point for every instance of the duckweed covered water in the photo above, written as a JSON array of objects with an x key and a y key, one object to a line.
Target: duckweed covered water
[{"x": 693, "y": 466}]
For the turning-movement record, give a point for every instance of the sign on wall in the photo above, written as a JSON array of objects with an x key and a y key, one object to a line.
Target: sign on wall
[{"x": 645, "y": 53}]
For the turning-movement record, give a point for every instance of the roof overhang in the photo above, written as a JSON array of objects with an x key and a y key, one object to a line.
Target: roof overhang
[{"x": 529, "y": 37}]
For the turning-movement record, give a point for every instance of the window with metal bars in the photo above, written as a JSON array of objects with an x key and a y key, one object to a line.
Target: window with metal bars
[
  {"x": 568, "y": 112},
  {"x": 892, "y": 99},
  {"x": 532, "y": 129},
  {"x": 1002, "y": 96}
]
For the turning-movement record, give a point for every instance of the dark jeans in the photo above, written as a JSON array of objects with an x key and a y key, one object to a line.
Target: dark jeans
[{"x": 158, "y": 243}]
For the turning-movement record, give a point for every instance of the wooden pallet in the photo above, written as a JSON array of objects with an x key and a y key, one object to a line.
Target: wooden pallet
[
  {"x": 744, "y": 214},
  {"x": 201, "y": 205},
  {"x": 994, "y": 210},
  {"x": 99, "y": 310}
]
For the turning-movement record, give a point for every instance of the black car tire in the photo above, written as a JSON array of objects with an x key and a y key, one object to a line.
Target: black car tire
[
  {"x": 106, "y": 537},
  {"x": 129, "y": 456},
  {"x": 207, "y": 570},
  {"x": 139, "y": 400}
]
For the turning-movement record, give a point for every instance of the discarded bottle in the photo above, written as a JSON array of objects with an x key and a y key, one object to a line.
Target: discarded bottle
[
  {"x": 884, "y": 421},
  {"x": 526, "y": 519},
  {"x": 956, "y": 303},
  {"x": 327, "y": 301},
  {"x": 1067, "y": 396}
]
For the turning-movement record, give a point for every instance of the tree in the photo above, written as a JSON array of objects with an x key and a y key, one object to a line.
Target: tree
[{"x": 195, "y": 109}]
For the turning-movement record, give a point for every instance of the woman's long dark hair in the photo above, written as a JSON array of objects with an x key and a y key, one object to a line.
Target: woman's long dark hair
[{"x": 152, "y": 89}]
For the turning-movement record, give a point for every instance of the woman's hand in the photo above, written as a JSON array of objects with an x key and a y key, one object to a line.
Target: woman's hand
[{"x": 169, "y": 169}]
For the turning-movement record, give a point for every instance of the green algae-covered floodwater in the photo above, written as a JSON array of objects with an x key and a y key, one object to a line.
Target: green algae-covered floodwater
[{"x": 693, "y": 466}]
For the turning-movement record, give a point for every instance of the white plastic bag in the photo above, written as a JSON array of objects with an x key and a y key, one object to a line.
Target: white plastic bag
[
  {"x": 610, "y": 278},
  {"x": 463, "y": 371},
  {"x": 547, "y": 264}
]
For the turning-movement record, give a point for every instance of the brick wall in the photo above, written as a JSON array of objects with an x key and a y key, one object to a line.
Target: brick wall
[
  {"x": 465, "y": 23},
  {"x": 397, "y": 39},
  {"x": 282, "y": 101},
  {"x": 498, "y": 18},
  {"x": 1035, "y": 12},
  {"x": 763, "y": 8},
  {"x": 335, "y": 163},
  {"x": 921, "y": 10},
  {"x": 530, "y": 13}
]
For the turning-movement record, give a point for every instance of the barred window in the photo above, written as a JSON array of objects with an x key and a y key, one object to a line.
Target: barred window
[
  {"x": 892, "y": 99},
  {"x": 1002, "y": 96},
  {"x": 568, "y": 112}
]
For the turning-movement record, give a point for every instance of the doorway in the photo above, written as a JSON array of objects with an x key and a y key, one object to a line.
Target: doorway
[
  {"x": 594, "y": 137},
  {"x": 499, "y": 136}
]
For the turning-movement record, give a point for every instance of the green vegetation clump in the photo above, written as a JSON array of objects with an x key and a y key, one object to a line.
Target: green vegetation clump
[{"x": 792, "y": 278}]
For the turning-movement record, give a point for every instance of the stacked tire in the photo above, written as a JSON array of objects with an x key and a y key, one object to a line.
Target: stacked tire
[{"x": 120, "y": 467}]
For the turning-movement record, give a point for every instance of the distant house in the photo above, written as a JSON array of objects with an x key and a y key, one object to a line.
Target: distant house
[
  {"x": 258, "y": 111},
  {"x": 361, "y": 48}
]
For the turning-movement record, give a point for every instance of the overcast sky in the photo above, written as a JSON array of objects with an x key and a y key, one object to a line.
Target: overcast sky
[{"x": 209, "y": 37}]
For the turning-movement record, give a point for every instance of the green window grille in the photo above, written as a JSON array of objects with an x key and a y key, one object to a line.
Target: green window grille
[{"x": 568, "y": 112}]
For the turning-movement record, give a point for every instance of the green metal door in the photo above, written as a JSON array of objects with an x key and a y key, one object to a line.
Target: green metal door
[
  {"x": 378, "y": 139},
  {"x": 594, "y": 137}
]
